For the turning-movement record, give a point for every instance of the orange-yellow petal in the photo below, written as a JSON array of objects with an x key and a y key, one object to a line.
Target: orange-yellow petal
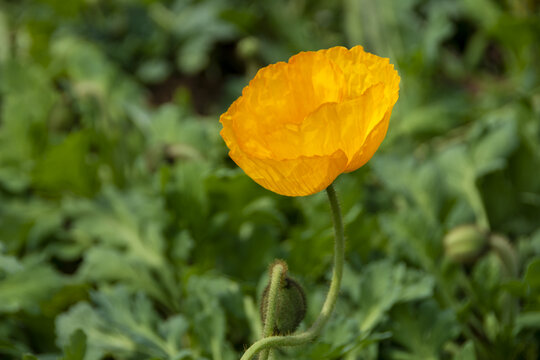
[
  {"x": 295, "y": 177},
  {"x": 280, "y": 96},
  {"x": 363, "y": 70},
  {"x": 344, "y": 125},
  {"x": 371, "y": 144}
]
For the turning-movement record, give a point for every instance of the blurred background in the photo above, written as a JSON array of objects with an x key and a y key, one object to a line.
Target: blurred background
[{"x": 121, "y": 214}]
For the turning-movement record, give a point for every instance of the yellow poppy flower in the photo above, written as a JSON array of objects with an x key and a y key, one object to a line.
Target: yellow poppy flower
[{"x": 300, "y": 124}]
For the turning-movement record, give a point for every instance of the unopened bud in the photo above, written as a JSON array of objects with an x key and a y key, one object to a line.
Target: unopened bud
[
  {"x": 290, "y": 305},
  {"x": 465, "y": 243},
  {"x": 248, "y": 47}
]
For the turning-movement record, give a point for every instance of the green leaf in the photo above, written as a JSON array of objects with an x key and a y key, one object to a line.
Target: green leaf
[
  {"x": 532, "y": 274},
  {"x": 207, "y": 299},
  {"x": 66, "y": 168},
  {"x": 412, "y": 237},
  {"x": 487, "y": 148},
  {"x": 466, "y": 352},
  {"x": 27, "y": 99},
  {"x": 29, "y": 357},
  {"x": 121, "y": 324},
  {"x": 528, "y": 320},
  {"x": 28, "y": 286},
  {"x": 125, "y": 220},
  {"x": 383, "y": 285},
  {"x": 4, "y": 38},
  {"x": 419, "y": 182},
  {"x": 422, "y": 330},
  {"x": 494, "y": 140},
  {"x": 121, "y": 238},
  {"x": 76, "y": 348}
]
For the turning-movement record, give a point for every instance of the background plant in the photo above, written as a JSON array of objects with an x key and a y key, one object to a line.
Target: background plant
[{"x": 121, "y": 214}]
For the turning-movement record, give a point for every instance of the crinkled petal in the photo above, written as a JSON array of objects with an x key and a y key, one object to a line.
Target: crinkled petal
[
  {"x": 363, "y": 70},
  {"x": 280, "y": 97},
  {"x": 344, "y": 125},
  {"x": 296, "y": 177},
  {"x": 370, "y": 145}
]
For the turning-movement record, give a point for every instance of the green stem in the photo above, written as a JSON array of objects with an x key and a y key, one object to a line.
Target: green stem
[
  {"x": 506, "y": 254},
  {"x": 329, "y": 303},
  {"x": 478, "y": 206},
  {"x": 273, "y": 293}
]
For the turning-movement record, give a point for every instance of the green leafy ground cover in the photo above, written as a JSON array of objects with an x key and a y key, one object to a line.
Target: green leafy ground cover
[{"x": 127, "y": 233}]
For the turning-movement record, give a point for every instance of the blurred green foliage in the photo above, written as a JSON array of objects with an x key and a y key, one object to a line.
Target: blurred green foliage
[{"x": 127, "y": 233}]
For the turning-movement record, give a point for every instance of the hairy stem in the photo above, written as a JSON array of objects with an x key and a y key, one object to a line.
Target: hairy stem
[
  {"x": 273, "y": 293},
  {"x": 329, "y": 303}
]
